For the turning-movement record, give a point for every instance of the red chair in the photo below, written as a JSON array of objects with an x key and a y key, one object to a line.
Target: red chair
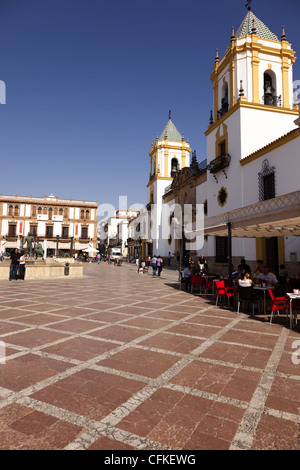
[
  {"x": 278, "y": 303},
  {"x": 196, "y": 279},
  {"x": 208, "y": 286},
  {"x": 222, "y": 290}
]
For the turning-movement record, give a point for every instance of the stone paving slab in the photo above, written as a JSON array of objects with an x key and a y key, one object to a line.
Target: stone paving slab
[{"x": 117, "y": 360}]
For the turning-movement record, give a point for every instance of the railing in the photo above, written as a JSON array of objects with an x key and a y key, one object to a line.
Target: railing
[
  {"x": 168, "y": 188},
  {"x": 271, "y": 100},
  {"x": 222, "y": 161}
]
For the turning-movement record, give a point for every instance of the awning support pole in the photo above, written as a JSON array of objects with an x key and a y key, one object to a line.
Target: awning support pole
[{"x": 230, "y": 283}]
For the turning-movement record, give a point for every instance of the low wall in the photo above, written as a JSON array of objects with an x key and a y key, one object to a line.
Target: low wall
[{"x": 46, "y": 271}]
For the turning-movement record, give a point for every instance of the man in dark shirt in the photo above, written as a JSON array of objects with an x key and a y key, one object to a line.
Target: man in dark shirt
[
  {"x": 14, "y": 264},
  {"x": 244, "y": 267}
]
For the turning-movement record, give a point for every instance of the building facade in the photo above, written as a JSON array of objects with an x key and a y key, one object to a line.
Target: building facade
[
  {"x": 253, "y": 149},
  {"x": 60, "y": 225}
]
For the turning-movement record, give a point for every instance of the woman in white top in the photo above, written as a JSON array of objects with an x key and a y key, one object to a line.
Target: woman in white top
[
  {"x": 246, "y": 281},
  {"x": 22, "y": 266}
]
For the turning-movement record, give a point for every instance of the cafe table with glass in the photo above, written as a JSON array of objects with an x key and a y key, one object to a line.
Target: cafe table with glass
[
  {"x": 295, "y": 295},
  {"x": 264, "y": 288}
]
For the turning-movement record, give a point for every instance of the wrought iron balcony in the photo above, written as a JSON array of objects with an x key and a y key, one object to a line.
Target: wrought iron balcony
[
  {"x": 271, "y": 100},
  {"x": 219, "y": 163}
]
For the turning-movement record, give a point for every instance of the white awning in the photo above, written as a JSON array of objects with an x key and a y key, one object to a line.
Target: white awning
[{"x": 276, "y": 217}]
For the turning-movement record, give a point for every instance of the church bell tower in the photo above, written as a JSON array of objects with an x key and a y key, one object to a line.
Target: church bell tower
[{"x": 253, "y": 105}]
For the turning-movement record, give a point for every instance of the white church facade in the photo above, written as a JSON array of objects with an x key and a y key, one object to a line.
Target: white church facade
[{"x": 253, "y": 155}]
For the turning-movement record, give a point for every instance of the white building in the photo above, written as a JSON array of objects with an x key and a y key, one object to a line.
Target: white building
[
  {"x": 64, "y": 224},
  {"x": 253, "y": 150},
  {"x": 113, "y": 231}
]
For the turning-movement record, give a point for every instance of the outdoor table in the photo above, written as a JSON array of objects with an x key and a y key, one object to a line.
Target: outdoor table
[
  {"x": 292, "y": 297},
  {"x": 264, "y": 289}
]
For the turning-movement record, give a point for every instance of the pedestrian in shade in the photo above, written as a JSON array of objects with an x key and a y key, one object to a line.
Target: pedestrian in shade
[
  {"x": 154, "y": 265},
  {"x": 159, "y": 263},
  {"x": 14, "y": 264}
]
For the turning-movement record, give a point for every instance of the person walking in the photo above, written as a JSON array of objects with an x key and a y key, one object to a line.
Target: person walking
[
  {"x": 14, "y": 264},
  {"x": 154, "y": 265},
  {"x": 159, "y": 263}
]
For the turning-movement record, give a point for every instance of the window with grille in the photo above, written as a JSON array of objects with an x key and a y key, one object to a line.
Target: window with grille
[
  {"x": 221, "y": 249},
  {"x": 12, "y": 230},
  {"x": 65, "y": 232},
  {"x": 33, "y": 230},
  {"x": 266, "y": 181},
  {"x": 84, "y": 232},
  {"x": 269, "y": 186},
  {"x": 49, "y": 231}
]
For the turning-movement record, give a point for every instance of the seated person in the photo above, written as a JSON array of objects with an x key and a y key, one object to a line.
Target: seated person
[
  {"x": 268, "y": 278},
  {"x": 259, "y": 268},
  {"x": 234, "y": 272},
  {"x": 282, "y": 280},
  {"x": 186, "y": 275},
  {"x": 245, "y": 280},
  {"x": 244, "y": 266}
]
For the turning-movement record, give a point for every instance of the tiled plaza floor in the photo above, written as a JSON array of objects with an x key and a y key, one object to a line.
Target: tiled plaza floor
[{"x": 118, "y": 360}]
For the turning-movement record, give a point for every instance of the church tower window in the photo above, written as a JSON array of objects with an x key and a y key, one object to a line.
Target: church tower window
[
  {"x": 174, "y": 167},
  {"x": 224, "y": 101},
  {"x": 270, "y": 97}
]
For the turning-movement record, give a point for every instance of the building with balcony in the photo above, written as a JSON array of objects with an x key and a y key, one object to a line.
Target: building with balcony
[
  {"x": 61, "y": 225},
  {"x": 251, "y": 164}
]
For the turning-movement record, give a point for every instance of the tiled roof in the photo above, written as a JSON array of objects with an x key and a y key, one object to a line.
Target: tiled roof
[
  {"x": 261, "y": 29},
  {"x": 171, "y": 132}
]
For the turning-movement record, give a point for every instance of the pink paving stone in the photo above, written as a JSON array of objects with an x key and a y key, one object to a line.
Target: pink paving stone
[
  {"x": 169, "y": 342},
  {"x": 75, "y": 325},
  {"x": 250, "y": 338},
  {"x": 35, "y": 338},
  {"x": 179, "y": 421},
  {"x": 119, "y": 333},
  {"x": 194, "y": 330},
  {"x": 38, "y": 319},
  {"x": 285, "y": 395},
  {"x": 219, "y": 380},
  {"x": 25, "y": 429},
  {"x": 104, "y": 443},
  {"x": 26, "y": 370},
  {"x": 91, "y": 394},
  {"x": 80, "y": 348},
  {"x": 236, "y": 354},
  {"x": 145, "y": 322},
  {"x": 275, "y": 433},
  {"x": 147, "y": 363}
]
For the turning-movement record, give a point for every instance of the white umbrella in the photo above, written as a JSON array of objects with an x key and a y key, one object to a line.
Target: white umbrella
[{"x": 90, "y": 249}]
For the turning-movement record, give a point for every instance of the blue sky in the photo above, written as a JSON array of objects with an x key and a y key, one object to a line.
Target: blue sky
[{"x": 89, "y": 83}]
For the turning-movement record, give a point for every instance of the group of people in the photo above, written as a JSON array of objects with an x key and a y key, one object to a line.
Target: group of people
[
  {"x": 242, "y": 275},
  {"x": 17, "y": 265},
  {"x": 157, "y": 265},
  {"x": 201, "y": 267},
  {"x": 262, "y": 275}
]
